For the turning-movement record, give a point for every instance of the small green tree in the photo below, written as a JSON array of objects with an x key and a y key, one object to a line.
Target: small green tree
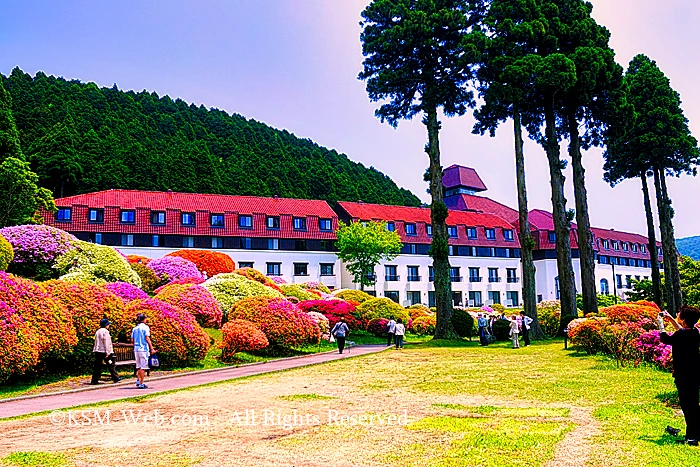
[
  {"x": 20, "y": 196},
  {"x": 362, "y": 245}
]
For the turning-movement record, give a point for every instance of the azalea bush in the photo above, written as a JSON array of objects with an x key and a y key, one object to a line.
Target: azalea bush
[
  {"x": 240, "y": 335},
  {"x": 187, "y": 280},
  {"x": 382, "y": 308},
  {"x": 278, "y": 280},
  {"x": 257, "y": 276},
  {"x": 97, "y": 264},
  {"x": 315, "y": 285},
  {"x": 296, "y": 290},
  {"x": 283, "y": 323},
  {"x": 619, "y": 341},
  {"x": 175, "y": 334},
  {"x": 196, "y": 300},
  {"x": 548, "y": 315},
  {"x": 418, "y": 310},
  {"x": 424, "y": 325},
  {"x": 586, "y": 334},
  {"x": 134, "y": 259},
  {"x": 356, "y": 295},
  {"x": 126, "y": 291},
  {"x": 378, "y": 327},
  {"x": 149, "y": 280},
  {"x": 170, "y": 268},
  {"x": 18, "y": 350},
  {"x": 6, "y": 253},
  {"x": 230, "y": 288},
  {"x": 633, "y": 311},
  {"x": 653, "y": 350},
  {"x": 321, "y": 321},
  {"x": 36, "y": 249},
  {"x": 334, "y": 310},
  {"x": 462, "y": 322},
  {"x": 208, "y": 262}
]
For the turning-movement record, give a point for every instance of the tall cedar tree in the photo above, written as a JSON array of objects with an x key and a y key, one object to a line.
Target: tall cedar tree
[
  {"x": 590, "y": 103},
  {"x": 657, "y": 143},
  {"x": 9, "y": 137},
  {"x": 419, "y": 57},
  {"x": 504, "y": 84}
]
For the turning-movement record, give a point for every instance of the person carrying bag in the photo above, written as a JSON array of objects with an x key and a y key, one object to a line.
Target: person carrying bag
[{"x": 340, "y": 331}]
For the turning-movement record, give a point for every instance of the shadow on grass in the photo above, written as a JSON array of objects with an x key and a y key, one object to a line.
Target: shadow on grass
[
  {"x": 663, "y": 440},
  {"x": 669, "y": 399}
]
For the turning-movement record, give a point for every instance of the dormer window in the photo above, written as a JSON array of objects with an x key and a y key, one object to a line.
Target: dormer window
[
  {"x": 471, "y": 233},
  {"x": 158, "y": 217},
  {"x": 390, "y": 226},
  {"x": 634, "y": 247},
  {"x": 410, "y": 229},
  {"x": 616, "y": 245},
  {"x": 299, "y": 223},
  {"x": 606, "y": 244},
  {"x": 508, "y": 235},
  {"x": 490, "y": 234},
  {"x": 273, "y": 222},
  {"x": 429, "y": 230},
  {"x": 625, "y": 246},
  {"x": 127, "y": 217},
  {"x": 217, "y": 220},
  {"x": 187, "y": 218},
  {"x": 96, "y": 215},
  {"x": 452, "y": 231},
  {"x": 63, "y": 215}
]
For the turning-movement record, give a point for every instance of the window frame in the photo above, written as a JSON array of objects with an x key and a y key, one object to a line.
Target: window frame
[
  {"x": 275, "y": 221},
  {"x": 508, "y": 235},
  {"x": 322, "y": 266},
  {"x": 128, "y": 237},
  {"x": 275, "y": 242},
  {"x": 429, "y": 230},
  {"x": 127, "y": 211},
  {"x": 472, "y": 233},
  {"x": 154, "y": 217},
  {"x": 279, "y": 269},
  {"x": 186, "y": 243},
  {"x": 322, "y": 221},
  {"x": 217, "y": 226},
  {"x": 492, "y": 231},
  {"x": 305, "y": 269},
  {"x": 450, "y": 229},
  {"x": 302, "y": 220},
  {"x": 58, "y": 217},
  {"x": 245, "y": 216},
  {"x": 99, "y": 215},
  {"x": 413, "y": 227},
  {"x": 391, "y": 227},
  {"x": 191, "y": 216},
  {"x": 217, "y": 240}
]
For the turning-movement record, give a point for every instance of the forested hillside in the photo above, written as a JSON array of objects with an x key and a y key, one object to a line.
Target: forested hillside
[
  {"x": 689, "y": 246},
  {"x": 80, "y": 138}
]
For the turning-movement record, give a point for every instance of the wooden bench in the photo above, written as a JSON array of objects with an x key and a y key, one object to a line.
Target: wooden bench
[{"x": 125, "y": 356}]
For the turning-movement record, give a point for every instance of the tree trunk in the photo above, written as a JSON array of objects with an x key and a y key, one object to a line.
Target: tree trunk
[
  {"x": 674, "y": 297},
  {"x": 653, "y": 252},
  {"x": 439, "y": 248},
  {"x": 585, "y": 237},
  {"x": 527, "y": 243},
  {"x": 562, "y": 225}
]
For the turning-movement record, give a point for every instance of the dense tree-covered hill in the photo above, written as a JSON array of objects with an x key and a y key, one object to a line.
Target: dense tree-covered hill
[
  {"x": 80, "y": 138},
  {"x": 689, "y": 246}
]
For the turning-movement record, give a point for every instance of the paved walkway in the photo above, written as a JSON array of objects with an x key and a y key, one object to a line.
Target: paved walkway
[{"x": 108, "y": 392}]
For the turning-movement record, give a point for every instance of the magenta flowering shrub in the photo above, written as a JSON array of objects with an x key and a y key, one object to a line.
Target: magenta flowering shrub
[
  {"x": 173, "y": 268},
  {"x": 18, "y": 352},
  {"x": 176, "y": 335},
  {"x": 126, "y": 291},
  {"x": 334, "y": 310},
  {"x": 36, "y": 248},
  {"x": 378, "y": 326},
  {"x": 278, "y": 280},
  {"x": 186, "y": 280},
  {"x": 195, "y": 299},
  {"x": 653, "y": 351}
]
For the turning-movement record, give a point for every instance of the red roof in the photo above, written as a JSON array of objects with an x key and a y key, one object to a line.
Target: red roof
[
  {"x": 457, "y": 175},
  {"x": 482, "y": 204},
  {"x": 622, "y": 237},
  {"x": 402, "y": 215}
]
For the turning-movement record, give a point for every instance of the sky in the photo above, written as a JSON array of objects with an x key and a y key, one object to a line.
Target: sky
[{"x": 293, "y": 64}]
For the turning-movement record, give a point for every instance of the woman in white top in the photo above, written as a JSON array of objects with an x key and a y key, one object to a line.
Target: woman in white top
[
  {"x": 514, "y": 331},
  {"x": 399, "y": 333}
]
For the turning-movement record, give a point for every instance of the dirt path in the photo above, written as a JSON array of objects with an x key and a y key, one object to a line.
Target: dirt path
[{"x": 575, "y": 449}]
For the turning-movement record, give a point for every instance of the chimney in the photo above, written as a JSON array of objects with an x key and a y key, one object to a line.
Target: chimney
[
  {"x": 276, "y": 197},
  {"x": 359, "y": 201}
]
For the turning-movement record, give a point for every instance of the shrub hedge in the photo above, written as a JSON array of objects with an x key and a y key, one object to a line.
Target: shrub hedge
[
  {"x": 463, "y": 323},
  {"x": 171, "y": 268},
  {"x": 96, "y": 264},
  {"x": 240, "y": 335},
  {"x": 382, "y": 307},
  {"x": 126, "y": 291},
  {"x": 209, "y": 263},
  {"x": 424, "y": 325},
  {"x": 378, "y": 327},
  {"x": 230, "y": 288},
  {"x": 334, "y": 310},
  {"x": 6, "y": 253},
  {"x": 296, "y": 290},
  {"x": 356, "y": 295},
  {"x": 36, "y": 249},
  {"x": 195, "y": 299},
  {"x": 149, "y": 280}
]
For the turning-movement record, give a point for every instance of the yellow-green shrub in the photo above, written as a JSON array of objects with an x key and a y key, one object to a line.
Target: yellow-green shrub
[
  {"x": 6, "y": 253},
  {"x": 356, "y": 295},
  {"x": 382, "y": 308},
  {"x": 97, "y": 264}
]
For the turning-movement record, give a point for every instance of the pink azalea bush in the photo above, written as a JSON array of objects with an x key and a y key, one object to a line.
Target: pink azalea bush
[
  {"x": 126, "y": 291},
  {"x": 186, "y": 280},
  {"x": 196, "y": 300},
  {"x": 18, "y": 352},
  {"x": 334, "y": 310},
  {"x": 172, "y": 268},
  {"x": 653, "y": 351},
  {"x": 378, "y": 326},
  {"x": 278, "y": 280},
  {"x": 321, "y": 321},
  {"x": 36, "y": 248}
]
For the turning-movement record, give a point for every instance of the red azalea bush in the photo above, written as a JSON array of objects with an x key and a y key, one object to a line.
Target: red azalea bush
[
  {"x": 208, "y": 262},
  {"x": 631, "y": 312},
  {"x": 133, "y": 259},
  {"x": 586, "y": 334},
  {"x": 334, "y": 310},
  {"x": 240, "y": 335},
  {"x": 619, "y": 341},
  {"x": 283, "y": 323},
  {"x": 18, "y": 352},
  {"x": 195, "y": 299},
  {"x": 378, "y": 327},
  {"x": 126, "y": 291},
  {"x": 175, "y": 334},
  {"x": 257, "y": 276},
  {"x": 149, "y": 280},
  {"x": 53, "y": 329},
  {"x": 187, "y": 280}
]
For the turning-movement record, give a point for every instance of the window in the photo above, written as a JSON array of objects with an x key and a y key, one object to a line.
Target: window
[
  {"x": 632, "y": 262},
  {"x": 490, "y": 234},
  {"x": 245, "y": 222},
  {"x": 217, "y": 220},
  {"x": 456, "y": 298},
  {"x": 475, "y": 299},
  {"x": 429, "y": 230},
  {"x": 327, "y": 269},
  {"x": 618, "y": 280},
  {"x": 634, "y": 247},
  {"x": 300, "y": 245},
  {"x": 63, "y": 215},
  {"x": 155, "y": 240},
  {"x": 628, "y": 282},
  {"x": 625, "y": 246},
  {"x": 637, "y": 278},
  {"x": 413, "y": 275},
  {"x": 413, "y": 297},
  {"x": 454, "y": 275},
  {"x": 97, "y": 238},
  {"x": 512, "y": 298},
  {"x": 410, "y": 229},
  {"x": 96, "y": 215},
  {"x": 606, "y": 244},
  {"x": 474, "y": 275},
  {"x": 127, "y": 240},
  {"x": 557, "y": 292},
  {"x": 217, "y": 242},
  {"x": 552, "y": 237},
  {"x": 603, "y": 259},
  {"x": 187, "y": 218},
  {"x": 508, "y": 235},
  {"x": 494, "y": 297},
  {"x": 616, "y": 246},
  {"x": 431, "y": 274},
  {"x": 158, "y": 217},
  {"x": 301, "y": 269},
  {"x": 493, "y": 275},
  {"x": 188, "y": 242},
  {"x": 392, "y": 295},
  {"x": 511, "y": 275},
  {"x": 431, "y": 298},
  {"x": 390, "y": 272},
  {"x": 127, "y": 217},
  {"x": 604, "y": 287},
  {"x": 643, "y": 248},
  {"x": 371, "y": 276},
  {"x": 412, "y": 248},
  {"x": 273, "y": 222},
  {"x": 390, "y": 226},
  {"x": 450, "y": 250},
  {"x": 273, "y": 244},
  {"x": 273, "y": 269},
  {"x": 246, "y": 243},
  {"x": 245, "y": 264},
  {"x": 325, "y": 225},
  {"x": 299, "y": 223},
  {"x": 452, "y": 231},
  {"x": 471, "y": 233}
]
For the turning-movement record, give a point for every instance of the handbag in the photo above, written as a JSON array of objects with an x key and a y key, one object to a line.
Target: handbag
[
  {"x": 331, "y": 339},
  {"x": 153, "y": 361}
]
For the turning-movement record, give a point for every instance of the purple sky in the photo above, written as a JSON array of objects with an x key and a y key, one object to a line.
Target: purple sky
[{"x": 293, "y": 64}]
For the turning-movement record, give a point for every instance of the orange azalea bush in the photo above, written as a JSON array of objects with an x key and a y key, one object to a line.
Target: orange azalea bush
[
  {"x": 208, "y": 262},
  {"x": 586, "y": 334},
  {"x": 632, "y": 311},
  {"x": 195, "y": 299},
  {"x": 53, "y": 329},
  {"x": 175, "y": 333},
  {"x": 18, "y": 352},
  {"x": 133, "y": 259},
  {"x": 424, "y": 325},
  {"x": 240, "y": 335},
  {"x": 416, "y": 311},
  {"x": 257, "y": 276}
]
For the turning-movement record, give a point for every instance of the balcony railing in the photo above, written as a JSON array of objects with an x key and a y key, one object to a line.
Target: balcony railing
[
  {"x": 513, "y": 280},
  {"x": 413, "y": 278},
  {"x": 494, "y": 279},
  {"x": 371, "y": 277},
  {"x": 456, "y": 278},
  {"x": 475, "y": 279},
  {"x": 391, "y": 278}
]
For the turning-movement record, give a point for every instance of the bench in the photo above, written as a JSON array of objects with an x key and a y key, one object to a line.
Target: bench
[{"x": 125, "y": 356}]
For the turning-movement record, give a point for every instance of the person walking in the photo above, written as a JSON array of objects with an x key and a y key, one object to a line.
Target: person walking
[
  {"x": 391, "y": 325},
  {"x": 399, "y": 332},
  {"x": 143, "y": 348},
  {"x": 483, "y": 325},
  {"x": 685, "y": 351},
  {"x": 340, "y": 331},
  {"x": 514, "y": 331},
  {"x": 103, "y": 351},
  {"x": 526, "y": 322}
]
